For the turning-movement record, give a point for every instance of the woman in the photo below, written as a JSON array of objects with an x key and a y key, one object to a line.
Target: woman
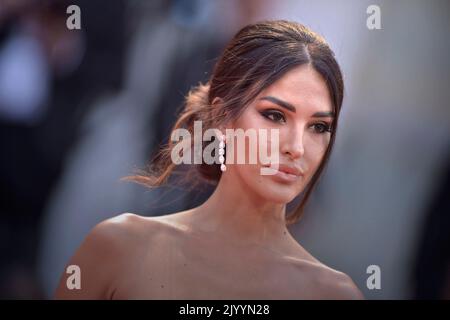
[{"x": 273, "y": 75}]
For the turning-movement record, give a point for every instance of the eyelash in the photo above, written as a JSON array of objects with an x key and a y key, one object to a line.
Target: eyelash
[
  {"x": 325, "y": 127},
  {"x": 267, "y": 113}
]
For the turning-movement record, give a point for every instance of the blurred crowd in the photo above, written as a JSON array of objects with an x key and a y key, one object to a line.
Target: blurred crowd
[{"x": 80, "y": 109}]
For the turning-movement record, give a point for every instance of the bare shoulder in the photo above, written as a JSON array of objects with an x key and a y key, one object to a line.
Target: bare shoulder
[
  {"x": 121, "y": 233},
  {"x": 126, "y": 227},
  {"x": 333, "y": 284},
  {"x": 318, "y": 281},
  {"x": 338, "y": 285},
  {"x": 105, "y": 253}
]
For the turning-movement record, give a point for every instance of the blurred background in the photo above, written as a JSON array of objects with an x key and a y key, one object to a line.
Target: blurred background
[{"x": 79, "y": 109}]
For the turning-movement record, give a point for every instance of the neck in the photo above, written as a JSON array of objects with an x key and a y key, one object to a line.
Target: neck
[{"x": 241, "y": 217}]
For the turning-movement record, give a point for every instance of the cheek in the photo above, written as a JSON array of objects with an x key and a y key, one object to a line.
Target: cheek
[
  {"x": 251, "y": 120},
  {"x": 315, "y": 148},
  {"x": 250, "y": 177}
]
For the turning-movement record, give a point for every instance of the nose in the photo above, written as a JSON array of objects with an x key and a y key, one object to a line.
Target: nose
[{"x": 293, "y": 144}]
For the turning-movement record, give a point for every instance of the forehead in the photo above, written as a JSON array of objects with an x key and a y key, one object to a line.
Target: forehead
[{"x": 303, "y": 87}]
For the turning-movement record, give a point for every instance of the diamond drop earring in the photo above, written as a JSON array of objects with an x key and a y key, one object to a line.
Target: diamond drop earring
[{"x": 223, "y": 167}]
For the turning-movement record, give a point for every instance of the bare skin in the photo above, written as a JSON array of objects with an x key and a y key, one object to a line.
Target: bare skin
[
  {"x": 134, "y": 257},
  {"x": 235, "y": 245}
]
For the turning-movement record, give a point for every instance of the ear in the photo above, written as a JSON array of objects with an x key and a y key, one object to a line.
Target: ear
[
  {"x": 216, "y": 105},
  {"x": 217, "y": 112}
]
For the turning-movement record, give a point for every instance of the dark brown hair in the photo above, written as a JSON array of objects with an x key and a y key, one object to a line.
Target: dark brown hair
[{"x": 257, "y": 56}]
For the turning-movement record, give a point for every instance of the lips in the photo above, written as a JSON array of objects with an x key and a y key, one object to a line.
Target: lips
[
  {"x": 285, "y": 173},
  {"x": 287, "y": 169},
  {"x": 290, "y": 169}
]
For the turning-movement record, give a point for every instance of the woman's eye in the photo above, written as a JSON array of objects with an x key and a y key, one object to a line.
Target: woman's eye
[
  {"x": 321, "y": 127},
  {"x": 275, "y": 116}
]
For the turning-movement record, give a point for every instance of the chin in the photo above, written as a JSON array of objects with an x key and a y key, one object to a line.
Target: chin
[
  {"x": 280, "y": 195},
  {"x": 276, "y": 192}
]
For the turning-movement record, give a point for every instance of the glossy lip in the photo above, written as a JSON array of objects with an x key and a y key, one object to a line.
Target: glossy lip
[
  {"x": 290, "y": 169},
  {"x": 286, "y": 173}
]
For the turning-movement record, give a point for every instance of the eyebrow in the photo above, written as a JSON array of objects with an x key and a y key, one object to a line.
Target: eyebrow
[{"x": 291, "y": 108}]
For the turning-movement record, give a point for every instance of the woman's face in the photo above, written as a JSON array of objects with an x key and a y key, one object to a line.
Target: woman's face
[{"x": 300, "y": 107}]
